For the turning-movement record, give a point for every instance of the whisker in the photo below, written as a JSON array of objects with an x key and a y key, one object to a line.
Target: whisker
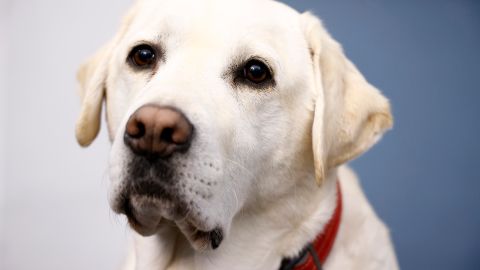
[{"x": 238, "y": 165}]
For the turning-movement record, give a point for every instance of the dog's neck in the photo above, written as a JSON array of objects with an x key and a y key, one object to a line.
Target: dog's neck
[{"x": 258, "y": 239}]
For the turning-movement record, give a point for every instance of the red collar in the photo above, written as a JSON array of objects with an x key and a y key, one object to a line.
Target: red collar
[{"x": 321, "y": 247}]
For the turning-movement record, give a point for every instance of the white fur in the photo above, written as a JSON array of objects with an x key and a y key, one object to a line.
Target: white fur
[{"x": 260, "y": 150}]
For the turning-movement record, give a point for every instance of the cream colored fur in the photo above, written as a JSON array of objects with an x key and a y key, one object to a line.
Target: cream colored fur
[{"x": 277, "y": 151}]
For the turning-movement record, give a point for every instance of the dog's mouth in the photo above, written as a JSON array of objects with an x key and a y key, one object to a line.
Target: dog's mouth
[
  {"x": 148, "y": 211},
  {"x": 144, "y": 213}
]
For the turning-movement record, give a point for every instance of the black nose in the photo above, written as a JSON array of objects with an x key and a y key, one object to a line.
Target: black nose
[{"x": 156, "y": 131}]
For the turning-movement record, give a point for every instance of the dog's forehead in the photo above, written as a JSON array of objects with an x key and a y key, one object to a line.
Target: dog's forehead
[{"x": 215, "y": 20}]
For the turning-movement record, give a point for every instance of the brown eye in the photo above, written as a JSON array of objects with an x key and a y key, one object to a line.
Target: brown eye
[
  {"x": 256, "y": 72},
  {"x": 143, "y": 56}
]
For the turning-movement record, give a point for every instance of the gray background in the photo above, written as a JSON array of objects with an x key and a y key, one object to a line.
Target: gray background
[
  {"x": 423, "y": 178},
  {"x": 55, "y": 213}
]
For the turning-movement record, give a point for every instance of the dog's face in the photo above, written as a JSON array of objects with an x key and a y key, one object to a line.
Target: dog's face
[{"x": 216, "y": 107}]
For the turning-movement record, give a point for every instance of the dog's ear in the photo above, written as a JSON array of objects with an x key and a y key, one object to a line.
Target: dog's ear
[
  {"x": 350, "y": 114},
  {"x": 92, "y": 77}
]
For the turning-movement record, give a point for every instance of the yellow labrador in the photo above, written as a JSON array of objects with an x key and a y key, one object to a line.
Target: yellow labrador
[{"x": 229, "y": 123}]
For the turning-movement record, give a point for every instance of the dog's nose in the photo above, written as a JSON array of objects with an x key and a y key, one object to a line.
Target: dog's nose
[{"x": 155, "y": 131}]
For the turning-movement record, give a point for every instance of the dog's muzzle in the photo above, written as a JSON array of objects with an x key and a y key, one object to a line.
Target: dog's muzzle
[
  {"x": 153, "y": 191},
  {"x": 153, "y": 134}
]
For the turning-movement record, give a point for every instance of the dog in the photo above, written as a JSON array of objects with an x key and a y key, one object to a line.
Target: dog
[{"x": 230, "y": 123}]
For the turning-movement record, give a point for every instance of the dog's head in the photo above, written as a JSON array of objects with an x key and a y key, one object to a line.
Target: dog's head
[{"x": 217, "y": 107}]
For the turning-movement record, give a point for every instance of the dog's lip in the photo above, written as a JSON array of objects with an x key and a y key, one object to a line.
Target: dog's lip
[
  {"x": 142, "y": 214},
  {"x": 201, "y": 239},
  {"x": 145, "y": 216},
  {"x": 146, "y": 203},
  {"x": 149, "y": 205}
]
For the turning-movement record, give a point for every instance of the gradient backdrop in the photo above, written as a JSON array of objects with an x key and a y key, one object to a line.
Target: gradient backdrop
[{"x": 423, "y": 178}]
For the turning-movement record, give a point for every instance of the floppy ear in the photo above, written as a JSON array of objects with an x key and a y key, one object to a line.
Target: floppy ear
[
  {"x": 350, "y": 114},
  {"x": 92, "y": 77}
]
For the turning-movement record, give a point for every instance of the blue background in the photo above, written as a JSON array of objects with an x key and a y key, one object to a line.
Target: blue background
[{"x": 423, "y": 178}]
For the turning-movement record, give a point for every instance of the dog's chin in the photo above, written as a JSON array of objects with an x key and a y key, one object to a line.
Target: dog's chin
[
  {"x": 146, "y": 215},
  {"x": 201, "y": 240}
]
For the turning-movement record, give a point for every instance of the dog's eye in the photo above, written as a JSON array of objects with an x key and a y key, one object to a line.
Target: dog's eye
[
  {"x": 142, "y": 56},
  {"x": 256, "y": 72}
]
